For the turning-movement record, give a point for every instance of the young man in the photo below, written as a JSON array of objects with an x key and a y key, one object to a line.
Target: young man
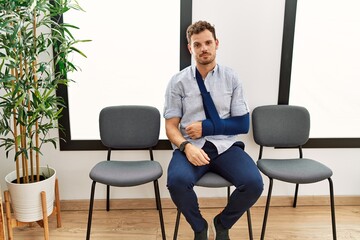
[{"x": 205, "y": 139}]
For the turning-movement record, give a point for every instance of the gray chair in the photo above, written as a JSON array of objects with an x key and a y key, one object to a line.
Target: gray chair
[
  {"x": 285, "y": 126},
  {"x": 128, "y": 128},
  {"x": 213, "y": 180}
]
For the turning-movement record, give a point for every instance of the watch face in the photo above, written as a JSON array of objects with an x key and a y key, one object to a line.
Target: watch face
[{"x": 182, "y": 145}]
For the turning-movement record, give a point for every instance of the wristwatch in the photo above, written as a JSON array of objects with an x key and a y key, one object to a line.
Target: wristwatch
[{"x": 182, "y": 145}]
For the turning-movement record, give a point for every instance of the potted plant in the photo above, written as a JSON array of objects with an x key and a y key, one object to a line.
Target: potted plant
[{"x": 29, "y": 107}]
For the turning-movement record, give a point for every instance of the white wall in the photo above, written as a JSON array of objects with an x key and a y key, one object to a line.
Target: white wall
[{"x": 250, "y": 34}]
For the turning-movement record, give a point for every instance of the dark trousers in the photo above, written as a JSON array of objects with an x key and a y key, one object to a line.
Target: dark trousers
[{"x": 234, "y": 164}]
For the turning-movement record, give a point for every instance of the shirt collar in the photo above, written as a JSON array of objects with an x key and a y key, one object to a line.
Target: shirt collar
[{"x": 193, "y": 66}]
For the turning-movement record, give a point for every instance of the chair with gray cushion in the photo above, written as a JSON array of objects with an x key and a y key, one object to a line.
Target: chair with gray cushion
[
  {"x": 285, "y": 126},
  {"x": 128, "y": 128},
  {"x": 213, "y": 180}
]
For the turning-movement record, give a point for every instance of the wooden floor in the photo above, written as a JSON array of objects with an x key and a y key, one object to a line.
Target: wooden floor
[{"x": 284, "y": 223}]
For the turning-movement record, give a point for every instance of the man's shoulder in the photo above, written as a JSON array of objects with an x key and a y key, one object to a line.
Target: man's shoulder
[
  {"x": 187, "y": 70},
  {"x": 229, "y": 74},
  {"x": 226, "y": 70},
  {"x": 182, "y": 74}
]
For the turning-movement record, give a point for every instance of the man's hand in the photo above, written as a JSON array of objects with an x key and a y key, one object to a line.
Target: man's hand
[
  {"x": 196, "y": 155},
  {"x": 194, "y": 130}
]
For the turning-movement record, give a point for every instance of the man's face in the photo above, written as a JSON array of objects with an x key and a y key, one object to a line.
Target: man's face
[{"x": 203, "y": 47}]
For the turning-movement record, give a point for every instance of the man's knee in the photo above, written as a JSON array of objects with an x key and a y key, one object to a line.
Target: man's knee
[
  {"x": 257, "y": 186},
  {"x": 253, "y": 187},
  {"x": 179, "y": 184}
]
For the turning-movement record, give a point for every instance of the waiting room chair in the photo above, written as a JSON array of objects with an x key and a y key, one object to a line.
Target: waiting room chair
[
  {"x": 128, "y": 128},
  {"x": 213, "y": 180},
  {"x": 286, "y": 126}
]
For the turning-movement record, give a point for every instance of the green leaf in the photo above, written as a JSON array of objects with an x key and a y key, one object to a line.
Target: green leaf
[{"x": 78, "y": 51}]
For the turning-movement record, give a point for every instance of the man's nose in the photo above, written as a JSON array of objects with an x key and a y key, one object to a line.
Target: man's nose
[{"x": 204, "y": 48}]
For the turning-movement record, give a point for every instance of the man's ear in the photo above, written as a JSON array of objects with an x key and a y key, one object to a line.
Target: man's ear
[
  {"x": 217, "y": 43},
  {"x": 189, "y": 48}
]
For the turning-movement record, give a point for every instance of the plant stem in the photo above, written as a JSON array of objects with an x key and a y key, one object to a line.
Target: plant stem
[
  {"x": 36, "y": 85},
  {"x": 15, "y": 131}
]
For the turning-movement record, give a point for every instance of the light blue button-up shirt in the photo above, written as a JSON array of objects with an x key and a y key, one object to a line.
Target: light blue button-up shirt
[{"x": 183, "y": 99}]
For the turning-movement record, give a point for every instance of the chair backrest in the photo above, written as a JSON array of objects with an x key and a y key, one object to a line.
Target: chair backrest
[
  {"x": 281, "y": 125},
  {"x": 129, "y": 126}
]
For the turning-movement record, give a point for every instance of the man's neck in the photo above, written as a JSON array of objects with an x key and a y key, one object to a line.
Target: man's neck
[{"x": 205, "y": 69}]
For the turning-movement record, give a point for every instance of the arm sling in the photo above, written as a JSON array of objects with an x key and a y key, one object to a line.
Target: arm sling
[{"x": 213, "y": 124}]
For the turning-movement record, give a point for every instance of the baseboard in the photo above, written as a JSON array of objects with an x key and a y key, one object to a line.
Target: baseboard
[{"x": 147, "y": 203}]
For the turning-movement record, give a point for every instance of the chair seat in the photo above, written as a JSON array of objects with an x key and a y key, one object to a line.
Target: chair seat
[
  {"x": 212, "y": 180},
  {"x": 126, "y": 173},
  {"x": 299, "y": 170}
]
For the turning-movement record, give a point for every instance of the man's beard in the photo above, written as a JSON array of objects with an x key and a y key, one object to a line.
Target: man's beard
[{"x": 207, "y": 61}]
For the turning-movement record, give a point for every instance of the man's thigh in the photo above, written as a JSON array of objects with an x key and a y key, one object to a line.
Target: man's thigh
[
  {"x": 236, "y": 166},
  {"x": 181, "y": 170}
]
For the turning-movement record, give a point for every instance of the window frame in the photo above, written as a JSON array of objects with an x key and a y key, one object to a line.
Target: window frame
[
  {"x": 285, "y": 80},
  {"x": 69, "y": 144}
]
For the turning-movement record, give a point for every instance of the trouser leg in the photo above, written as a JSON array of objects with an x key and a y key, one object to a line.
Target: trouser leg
[
  {"x": 235, "y": 165},
  {"x": 238, "y": 167},
  {"x": 182, "y": 176}
]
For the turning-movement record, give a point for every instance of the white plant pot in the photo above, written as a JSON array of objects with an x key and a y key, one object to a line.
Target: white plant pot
[{"x": 26, "y": 198}]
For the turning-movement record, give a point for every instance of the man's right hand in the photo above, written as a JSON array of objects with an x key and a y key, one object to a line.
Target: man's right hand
[{"x": 196, "y": 155}]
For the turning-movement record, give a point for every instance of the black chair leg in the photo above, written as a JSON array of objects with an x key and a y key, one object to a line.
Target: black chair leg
[
  {"x": 228, "y": 194},
  {"x": 177, "y": 223},
  {"x": 90, "y": 210},
  {"x": 296, "y": 194},
  {"x": 158, "y": 205},
  {"x": 332, "y": 203},
  {"x": 266, "y": 210},
  {"x": 249, "y": 224},
  {"x": 107, "y": 198}
]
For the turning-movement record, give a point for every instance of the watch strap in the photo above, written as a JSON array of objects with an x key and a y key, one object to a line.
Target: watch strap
[{"x": 182, "y": 145}]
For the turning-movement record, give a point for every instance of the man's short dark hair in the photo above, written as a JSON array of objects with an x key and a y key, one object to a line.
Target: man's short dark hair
[{"x": 199, "y": 27}]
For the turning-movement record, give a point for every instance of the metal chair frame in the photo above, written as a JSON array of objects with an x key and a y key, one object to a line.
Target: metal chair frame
[
  {"x": 157, "y": 197},
  {"x": 288, "y": 126},
  {"x": 266, "y": 213},
  {"x": 115, "y": 141}
]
